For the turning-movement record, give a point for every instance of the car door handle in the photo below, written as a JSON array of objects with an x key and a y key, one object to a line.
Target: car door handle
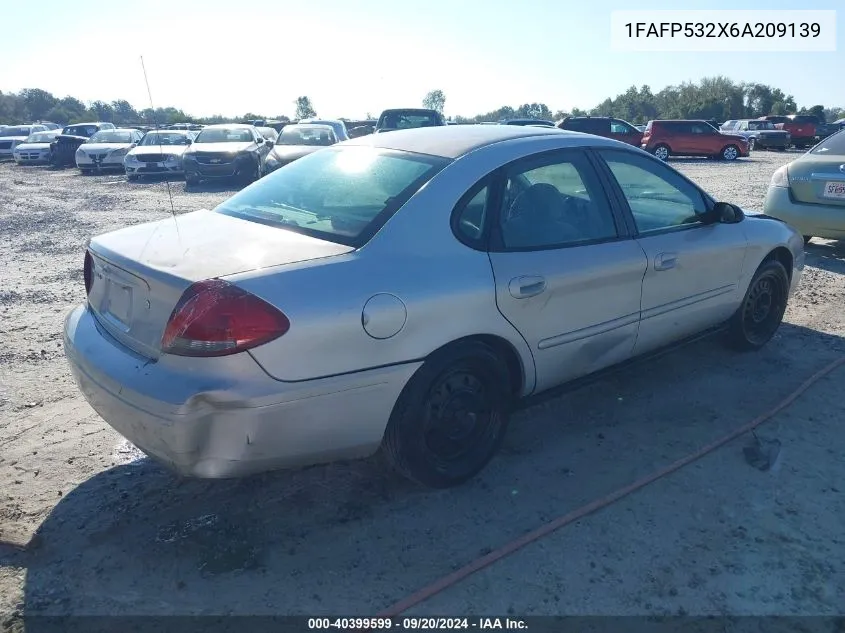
[
  {"x": 524, "y": 287},
  {"x": 665, "y": 261}
]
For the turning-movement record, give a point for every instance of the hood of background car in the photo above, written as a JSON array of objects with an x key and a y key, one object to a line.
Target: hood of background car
[
  {"x": 103, "y": 147},
  {"x": 71, "y": 138},
  {"x": 158, "y": 149},
  {"x": 32, "y": 146},
  {"x": 291, "y": 152},
  {"x": 736, "y": 137},
  {"x": 219, "y": 147},
  {"x": 14, "y": 138}
]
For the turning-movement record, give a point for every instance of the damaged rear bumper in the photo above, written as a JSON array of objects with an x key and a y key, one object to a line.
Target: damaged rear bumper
[{"x": 225, "y": 417}]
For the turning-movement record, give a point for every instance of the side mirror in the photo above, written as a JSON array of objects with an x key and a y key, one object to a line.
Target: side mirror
[
  {"x": 260, "y": 141},
  {"x": 190, "y": 140},
  {"x": 723, "y": 213},
  {"x": 269, "y": 143}
]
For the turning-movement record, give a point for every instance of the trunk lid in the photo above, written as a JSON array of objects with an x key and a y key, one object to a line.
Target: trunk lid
[
  {"x": 818, "y": 179},
  {"x": 140, "y": 272}
]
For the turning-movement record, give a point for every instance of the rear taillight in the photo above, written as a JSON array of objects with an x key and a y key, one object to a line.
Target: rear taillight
[
  {"x": 88, "y": 272},
  {"x": 215, "y": 318}
]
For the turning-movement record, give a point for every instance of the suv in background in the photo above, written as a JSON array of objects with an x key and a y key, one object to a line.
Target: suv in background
[
  {"x": 603, "y": 126},
  {"x": 527, "y": 122},
  {"x": 63, "y": 149},
  {"x": 407, "y": 118},
  {"x": 762, "y": 135},
  {"x": 691, "y": 138},
  {"x": 801, "y": 127}
]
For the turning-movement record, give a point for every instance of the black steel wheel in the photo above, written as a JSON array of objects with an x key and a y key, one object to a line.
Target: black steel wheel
[
  {"x": 761, "y": 312},
  {"x": 450, "y": 419}
]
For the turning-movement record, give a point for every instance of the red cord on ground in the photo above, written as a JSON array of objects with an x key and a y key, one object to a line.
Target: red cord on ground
[{"x": 480, "y": 563}]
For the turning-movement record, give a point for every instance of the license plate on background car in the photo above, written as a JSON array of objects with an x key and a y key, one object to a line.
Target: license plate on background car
[{"x": 834, "y": 190}]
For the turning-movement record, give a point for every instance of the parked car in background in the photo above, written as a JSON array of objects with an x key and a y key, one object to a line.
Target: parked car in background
[
  {"x": 50, "y": 125},
  {"x": 35, "y": 149},
  {"x": 269, "y": 133},
  {"x": 762, "y": 135},
  {"x": 542, "y": 122},
  {"x": 802, "y": 131},
  {"x": 407, "y": 118},
  {"x": 640, "y": 128},
  {"x": 729, "y": 125},
  {"x": 226, "y": 150},
  {"x": 809, "y": 192},
  {"x": 406, "y": 290},
  {"x": 665, "y": 138},
  {"x": 337, "y": 125},
  {"x": 13, "y": 135},
  {"x": 106, "y": 149},
  {"x": 603, "y": 126},
  {"x": 63, "y": 149},
  {"x": 277, "y": 125},
  {"x": 296, "y": 141},
  {"x": 361, "y": 130},
  {"x": 158, "y": 153}
]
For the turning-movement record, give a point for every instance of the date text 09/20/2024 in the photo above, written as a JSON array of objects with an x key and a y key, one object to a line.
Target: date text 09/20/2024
[{"x": 416, "y": 624}]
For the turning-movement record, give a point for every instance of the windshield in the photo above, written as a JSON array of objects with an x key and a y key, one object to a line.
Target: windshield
[
  {"x": 341, "y": 195},
  {"x": 761, "y": 125},
  {"x": 111, "y": 136},
  {"x": 21, "y": 130},
  {"x": 80, "y": 130},
  {"x": 404, "y": 120},
  {"x": 41, "y": 137},
  {"x": 832, "y": 145},
  {"x": 301, "y": 135},
  {"x": 164, "y": 138},
  {"x": 224, "y": 135}
]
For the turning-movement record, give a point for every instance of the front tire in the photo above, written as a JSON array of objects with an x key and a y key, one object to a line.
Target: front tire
[
  {"x": 662, "y": 152},
  {"x": 191, "y": 180},
  {"x": 731, "y": 152},
  {"x": 451, "y": 417},
  {"x": 761, "y": 312},
  {"x": 752, "y": 144}
]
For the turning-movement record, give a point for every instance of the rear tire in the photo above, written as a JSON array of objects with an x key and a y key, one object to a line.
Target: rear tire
[
  {"x": 662, "y": 152},
  {"x": 761, "y": 312},
  {"x": 191, "y": 181},
  {"x": 451, "y": 417},
  {"x": 132, "y": 178}
]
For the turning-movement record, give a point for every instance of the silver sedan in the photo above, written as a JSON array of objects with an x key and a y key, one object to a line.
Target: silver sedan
[{"x": 404, "y": 291}]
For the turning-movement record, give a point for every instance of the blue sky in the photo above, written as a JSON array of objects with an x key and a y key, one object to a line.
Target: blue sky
[{"x": 218, "y": 56}]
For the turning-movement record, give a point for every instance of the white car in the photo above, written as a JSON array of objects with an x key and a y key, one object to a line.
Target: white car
[
  {"x": 14, "y": 135},
  {"x": 35, "y": 150},
  {"x": 106, "y": 149},
  {"x": 158, "y": 153}
]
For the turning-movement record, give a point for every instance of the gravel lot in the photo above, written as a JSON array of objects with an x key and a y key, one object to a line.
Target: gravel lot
[{"x": 109, "y": 532}]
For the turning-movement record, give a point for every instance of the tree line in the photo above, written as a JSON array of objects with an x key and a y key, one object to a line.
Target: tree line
[{"x": 716, "y": 98}]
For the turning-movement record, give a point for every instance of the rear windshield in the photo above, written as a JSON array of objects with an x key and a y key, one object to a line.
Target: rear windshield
[
  {"x": 832, "y": 145},
  {"x": 342, "y": 195},
  {"x": 80, "y": 130},
  {"x": 307, "y": 135},
  {"x": 16, "y": 131},
  {"x": 399, "y": 120},
  {"x": 805, "y": 118}
]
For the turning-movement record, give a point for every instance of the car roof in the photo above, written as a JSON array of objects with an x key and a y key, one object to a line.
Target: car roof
[
  {"x": 311, "y": 126},
  {"x": 452, "y": 141},
  {"x": 244, "y": 126},
  {"x": 123, "y": 129}
]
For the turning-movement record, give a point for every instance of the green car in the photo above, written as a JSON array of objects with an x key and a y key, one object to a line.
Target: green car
[{"x": 809, "y": 192}]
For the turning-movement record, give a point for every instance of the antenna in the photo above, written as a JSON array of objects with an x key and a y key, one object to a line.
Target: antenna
[{"x": 160, "y": 148}]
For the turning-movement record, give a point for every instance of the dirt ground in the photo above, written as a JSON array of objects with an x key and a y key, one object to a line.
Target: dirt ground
[{"x": 109, "y": 532}]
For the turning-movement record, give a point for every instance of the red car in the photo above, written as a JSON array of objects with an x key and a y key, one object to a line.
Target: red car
[
  {"x": 692, "y": 138},
  {"x": 603, "y": 126},
  {"x": 801, "y": 127}
]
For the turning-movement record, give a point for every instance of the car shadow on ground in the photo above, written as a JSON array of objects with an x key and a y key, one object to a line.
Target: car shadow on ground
[
  {"x": 829, "y": 255},
  {"x": 215, "y": 186},
  {"x": 352, "y": 537}
]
